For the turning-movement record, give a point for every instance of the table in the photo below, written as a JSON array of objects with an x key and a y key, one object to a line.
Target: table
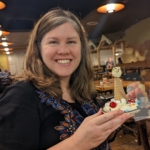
[
  {"x": 110, "y": 84},
  {"x": 101, "y": 74}
]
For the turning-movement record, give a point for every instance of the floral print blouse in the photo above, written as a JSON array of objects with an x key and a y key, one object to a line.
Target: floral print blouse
[{"x": 74, "y": 114}]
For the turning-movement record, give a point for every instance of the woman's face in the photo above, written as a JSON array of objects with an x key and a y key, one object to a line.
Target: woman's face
[{"x": 61, "y": 50}]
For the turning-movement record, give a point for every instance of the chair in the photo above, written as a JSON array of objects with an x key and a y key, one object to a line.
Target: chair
[
  {"x": 131, "y": 127},
  {"x": 139, "y": 129}
]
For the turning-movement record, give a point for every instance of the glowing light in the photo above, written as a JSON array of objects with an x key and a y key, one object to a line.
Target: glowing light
[
  {"x": 110, "y": 7},
  {"x": 7, "y": 52},
  {"x": 4, "y": 44},
  {"x": 6, "y": 49}
]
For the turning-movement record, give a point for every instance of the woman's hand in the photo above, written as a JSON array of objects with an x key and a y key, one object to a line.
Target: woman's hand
[
  {"x": 96, "y": 128},
  {"x": 136, "y": 90}
]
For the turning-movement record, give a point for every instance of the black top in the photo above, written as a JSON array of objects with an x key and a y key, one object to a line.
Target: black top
[
  {"x": 109, "y": 64},
  {"x": 32, "y": 120}
]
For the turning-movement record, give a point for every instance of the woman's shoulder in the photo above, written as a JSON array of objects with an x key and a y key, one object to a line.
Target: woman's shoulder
[
  {"x": 23, "y": 83},
  {"x": 20, "y": 90},
  {"x": 25, "y": 86}
]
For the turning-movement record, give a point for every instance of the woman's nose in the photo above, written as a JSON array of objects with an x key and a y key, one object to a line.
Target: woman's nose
[{"x": 63, "y": 49}]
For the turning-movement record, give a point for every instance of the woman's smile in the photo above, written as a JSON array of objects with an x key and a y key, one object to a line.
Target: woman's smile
[{"x": 64, "y": 61}]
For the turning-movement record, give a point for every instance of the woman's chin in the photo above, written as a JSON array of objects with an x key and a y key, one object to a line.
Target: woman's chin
[{"x": 63, "y": 76}]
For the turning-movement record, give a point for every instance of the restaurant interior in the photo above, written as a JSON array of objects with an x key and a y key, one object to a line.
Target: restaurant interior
[{"x": 120, "y": 31}]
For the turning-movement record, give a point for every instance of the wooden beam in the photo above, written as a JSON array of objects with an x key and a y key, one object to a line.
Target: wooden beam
[{"x": 114, "y": 55}]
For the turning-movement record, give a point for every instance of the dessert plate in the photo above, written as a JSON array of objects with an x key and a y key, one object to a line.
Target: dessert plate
[{"x": 132, "y": 113}]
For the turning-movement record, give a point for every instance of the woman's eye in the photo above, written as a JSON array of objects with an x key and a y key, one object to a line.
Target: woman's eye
[
  {"x": 53, "y": 42},
  {"x": 71, "y": 42}
]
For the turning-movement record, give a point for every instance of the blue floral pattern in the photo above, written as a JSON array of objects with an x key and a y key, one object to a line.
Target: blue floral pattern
[{"x": 72, "y": 118}]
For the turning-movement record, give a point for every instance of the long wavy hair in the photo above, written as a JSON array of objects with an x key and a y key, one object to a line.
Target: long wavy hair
[{"x": 81, "y": 87}]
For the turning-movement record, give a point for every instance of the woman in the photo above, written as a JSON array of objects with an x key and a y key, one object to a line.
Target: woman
[{"x": 53, "y": 107}]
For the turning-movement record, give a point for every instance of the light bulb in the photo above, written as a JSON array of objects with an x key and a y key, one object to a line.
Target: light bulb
[
  {"x": 3, "y": 38},
  {"x": 6, "y": 49},
  {"x": 4, "y": 44},
  {"x": 110, "y": 7},
  {"x": 7, "y": 52}
]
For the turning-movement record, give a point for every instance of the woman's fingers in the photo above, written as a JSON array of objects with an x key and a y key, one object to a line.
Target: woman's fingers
[
  {"x": 108, "y": 127},
  {"x": 114, "y": 123},
  {"x": 107, "y": 116},
  {"x": 100, "y": 111},
  {"x": 100, "y": 118}
]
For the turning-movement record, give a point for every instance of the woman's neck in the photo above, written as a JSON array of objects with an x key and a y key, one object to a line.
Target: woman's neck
[
  {"x": 66, "y": 90},
  {"x": 64, "y": 82}
]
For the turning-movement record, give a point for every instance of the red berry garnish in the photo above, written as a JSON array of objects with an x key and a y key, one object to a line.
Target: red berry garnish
[
  {"x": 112, "y": 104},
  {"x": 131, "y": 101}
]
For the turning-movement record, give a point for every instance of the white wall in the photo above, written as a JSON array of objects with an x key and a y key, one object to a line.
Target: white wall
[
  {"x": 104, "y": 54},
  {"x": 15, "y": 61}
]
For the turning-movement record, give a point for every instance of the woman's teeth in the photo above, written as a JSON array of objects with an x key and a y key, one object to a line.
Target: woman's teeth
[{"x": 63, "y": 61}]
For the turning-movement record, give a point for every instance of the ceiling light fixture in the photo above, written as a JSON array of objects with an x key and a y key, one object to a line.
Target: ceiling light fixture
[
  {"x": 4, "y": 42},
  {"x": 110, "y": 7},
  {"x": 7, "y": 53},
  {"x": 6, "y": 49},
  {"x": 3, "y": 32},
  {"x": 2, "y": 5}
]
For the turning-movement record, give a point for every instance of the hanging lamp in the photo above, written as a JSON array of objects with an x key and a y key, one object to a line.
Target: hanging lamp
[
  {"x": 6, "y": 49},
  {"x": 2, "y": 32},
  {"x": 4, "y": 42},
  {"x": 2, "y": 5},
  {"x": 110, "y": 7}
]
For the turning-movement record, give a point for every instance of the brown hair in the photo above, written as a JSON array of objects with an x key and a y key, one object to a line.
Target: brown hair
[{"x": 35, "y": 70}]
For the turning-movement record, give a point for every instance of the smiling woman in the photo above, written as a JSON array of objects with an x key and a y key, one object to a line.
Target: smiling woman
[{"x": 54, "y": 105}]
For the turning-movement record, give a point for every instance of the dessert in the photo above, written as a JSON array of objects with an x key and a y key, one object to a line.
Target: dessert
[
  {"x": 126, "y": 106},
  {"x": 120, "y": 101}
]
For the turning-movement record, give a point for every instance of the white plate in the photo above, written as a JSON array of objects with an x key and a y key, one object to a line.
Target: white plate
[{"x": 130, "y": 112}]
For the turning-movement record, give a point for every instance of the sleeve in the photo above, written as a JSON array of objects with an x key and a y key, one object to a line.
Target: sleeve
[
  {"x": 112, "y": 63},
  {"x": 19, "y": 120}
]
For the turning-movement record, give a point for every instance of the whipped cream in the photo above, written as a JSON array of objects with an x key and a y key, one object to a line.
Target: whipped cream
[{"x": 121, "y": 105}]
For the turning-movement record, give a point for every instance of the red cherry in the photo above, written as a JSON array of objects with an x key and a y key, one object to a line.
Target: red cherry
[
  {"x": 132, "y": 101},
  {"x": 112, "y": 104},
  {"x": 129, "y": 101}
]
